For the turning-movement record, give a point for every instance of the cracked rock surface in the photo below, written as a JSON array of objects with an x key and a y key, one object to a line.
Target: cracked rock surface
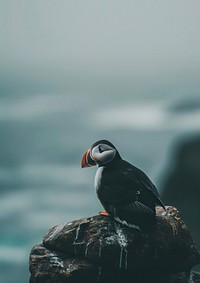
[{"x": 98, "y": 249}]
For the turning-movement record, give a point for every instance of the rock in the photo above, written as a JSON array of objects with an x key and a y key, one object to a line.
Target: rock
[
  {"x": 48, "y": 267},
  {"x": 195, "y": 277},
  {"x": 181, "y": 186},
  {"x": 98, "y": 249},
  {"x": 51, "y": 266}
]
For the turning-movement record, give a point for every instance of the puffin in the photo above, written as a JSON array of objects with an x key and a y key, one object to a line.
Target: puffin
[{"x": 125, "y": 191}]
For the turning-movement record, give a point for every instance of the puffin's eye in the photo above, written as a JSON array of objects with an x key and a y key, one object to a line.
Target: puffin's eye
[{"x": 100, "y": 149}]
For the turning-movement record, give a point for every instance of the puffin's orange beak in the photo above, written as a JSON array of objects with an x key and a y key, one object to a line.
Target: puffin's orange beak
[
  {"x": 84, "y": 162},
  {"x": 87, "y": 161}
]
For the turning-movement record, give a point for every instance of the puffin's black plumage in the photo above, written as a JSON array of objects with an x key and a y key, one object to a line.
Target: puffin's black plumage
[{"x": 125, "y": 191}]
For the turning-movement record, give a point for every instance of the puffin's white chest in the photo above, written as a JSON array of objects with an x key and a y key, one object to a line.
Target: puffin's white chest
[{"x": 98, "y": 177}]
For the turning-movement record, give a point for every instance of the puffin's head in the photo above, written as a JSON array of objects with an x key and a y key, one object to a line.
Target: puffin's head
[{"x": 100, "y": 153}]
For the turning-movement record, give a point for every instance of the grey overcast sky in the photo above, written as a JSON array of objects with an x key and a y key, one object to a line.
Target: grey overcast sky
[{"x": 89, "y": 43}]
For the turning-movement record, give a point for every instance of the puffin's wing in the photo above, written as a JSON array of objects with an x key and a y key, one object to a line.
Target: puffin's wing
[
  {"x": 141, "y": 181},
  {"x": 146, "y": 182},
  {"x": 134, "y": 215},
  {"x": 135, "y": 207}
]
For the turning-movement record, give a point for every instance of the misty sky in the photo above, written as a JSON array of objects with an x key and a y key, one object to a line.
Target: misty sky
[{"x": 121, "y": 47}]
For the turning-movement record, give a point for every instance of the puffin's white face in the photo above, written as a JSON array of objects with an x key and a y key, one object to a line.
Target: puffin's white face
[
  {"x": 103, "y": 153},
  {"x": 100, "y": 153}
]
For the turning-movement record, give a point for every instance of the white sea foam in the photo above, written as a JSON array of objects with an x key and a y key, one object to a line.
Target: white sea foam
[
  {"x": 145, "y": 115},
  {"x": 37, "y": 106}
]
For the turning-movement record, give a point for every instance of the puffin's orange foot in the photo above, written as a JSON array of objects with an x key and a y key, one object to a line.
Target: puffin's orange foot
[{"x": 104, "y": 213}]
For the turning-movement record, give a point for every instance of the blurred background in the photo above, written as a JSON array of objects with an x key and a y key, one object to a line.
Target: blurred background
[{"x": 73, "y": 72}]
